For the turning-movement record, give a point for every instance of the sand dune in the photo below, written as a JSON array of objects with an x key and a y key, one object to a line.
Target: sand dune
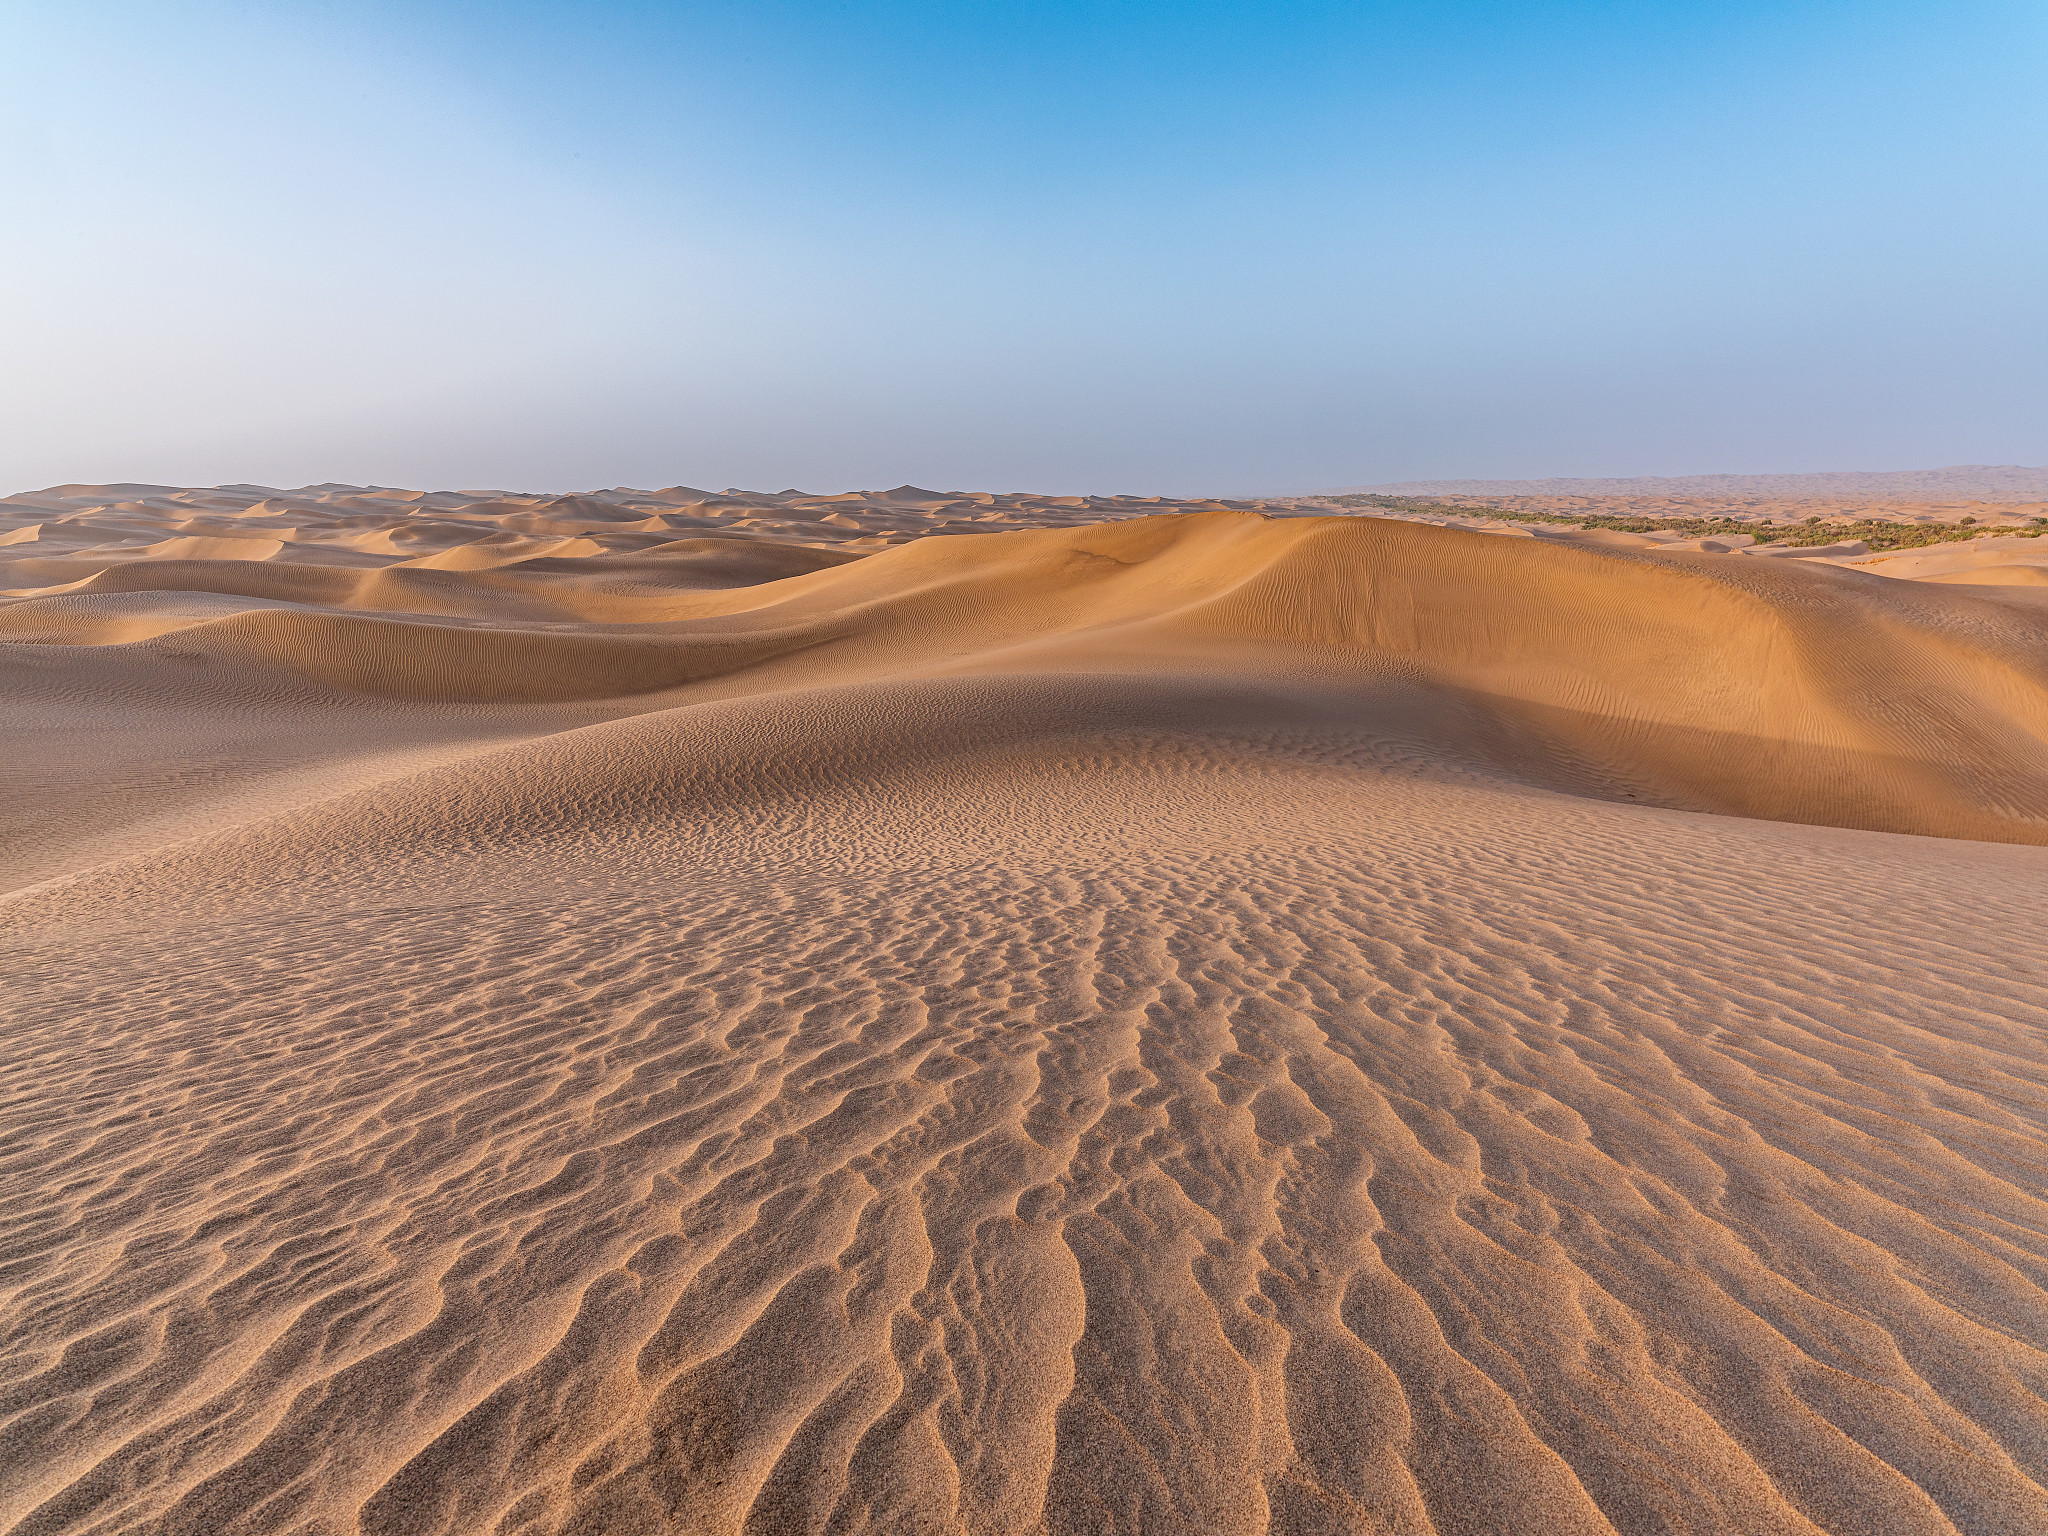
[
  {"x": 1957, "y": 482},
  {"x": 1991, "y": 561},
  {"x": 726, "y": 1012}
]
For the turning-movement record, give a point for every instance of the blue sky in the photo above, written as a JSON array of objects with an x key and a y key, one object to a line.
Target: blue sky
[{"x": 1105, "y": 247}]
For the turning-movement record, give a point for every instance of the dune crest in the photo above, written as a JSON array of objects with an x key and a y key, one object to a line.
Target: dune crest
[{"x": 912, "y": 1011}]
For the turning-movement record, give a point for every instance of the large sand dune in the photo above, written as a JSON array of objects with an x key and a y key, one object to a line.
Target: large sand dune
[{"x": 681, "y": 1012}]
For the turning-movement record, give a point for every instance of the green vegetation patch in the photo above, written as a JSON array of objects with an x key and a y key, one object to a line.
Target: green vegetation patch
[{"x": 1814, "y": 531}]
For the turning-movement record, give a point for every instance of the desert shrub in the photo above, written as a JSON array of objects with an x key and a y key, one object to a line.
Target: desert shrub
[{"x": 1814, "y": 531}]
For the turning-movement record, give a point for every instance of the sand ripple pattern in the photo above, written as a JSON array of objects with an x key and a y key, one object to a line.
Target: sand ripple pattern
[
  {"x": 1344, "y": 1191},
  {"x": 716, "y": 1013}
]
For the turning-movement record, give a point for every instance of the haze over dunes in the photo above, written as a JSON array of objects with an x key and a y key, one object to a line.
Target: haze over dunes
[{"x": 729, "y": 1012}]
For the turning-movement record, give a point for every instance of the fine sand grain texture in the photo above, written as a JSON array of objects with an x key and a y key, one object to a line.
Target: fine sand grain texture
[{"x": 672, "y": 1012}]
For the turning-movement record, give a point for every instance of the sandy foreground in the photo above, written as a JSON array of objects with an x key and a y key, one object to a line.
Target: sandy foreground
[{"x": 663, "y": 1011}]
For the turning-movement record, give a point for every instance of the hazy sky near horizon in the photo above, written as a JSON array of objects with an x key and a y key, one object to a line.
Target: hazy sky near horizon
[{"x": 1140, "y": 247}]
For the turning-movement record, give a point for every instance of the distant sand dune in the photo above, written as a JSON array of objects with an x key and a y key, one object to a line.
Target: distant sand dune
[
  {"x": 660, "y": 1011},
  {"x": 1959, "y": 482}
]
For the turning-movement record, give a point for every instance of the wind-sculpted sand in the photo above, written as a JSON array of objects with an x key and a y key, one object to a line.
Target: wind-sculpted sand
[{"x": 659, "y": 1012}]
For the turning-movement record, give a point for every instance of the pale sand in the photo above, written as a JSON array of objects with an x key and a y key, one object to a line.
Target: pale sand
[
  {"x": 1957, "y": 482},
  {"x": 1989, "y": 515},
  {"x": 621, "y": 1014}
]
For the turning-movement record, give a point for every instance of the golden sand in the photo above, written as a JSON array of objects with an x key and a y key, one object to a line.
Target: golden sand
[{"x": 655, "y": 1012}]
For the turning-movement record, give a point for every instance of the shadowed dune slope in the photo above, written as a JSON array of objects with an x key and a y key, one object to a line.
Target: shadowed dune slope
[
  {"x": 1198, "y": 1023},
  {"x": 1786, "y": 691}
]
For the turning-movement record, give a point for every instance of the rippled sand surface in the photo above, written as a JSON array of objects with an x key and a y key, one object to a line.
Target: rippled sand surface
[{"x": 673, "y": 1014}]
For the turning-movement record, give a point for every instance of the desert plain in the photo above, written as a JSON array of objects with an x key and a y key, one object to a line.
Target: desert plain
[{"x": 674, "y": 1011}]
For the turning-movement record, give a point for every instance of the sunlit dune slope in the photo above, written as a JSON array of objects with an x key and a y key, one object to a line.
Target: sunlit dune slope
[
  {"x": 1782, "y": 690},
  {"x": 661, "y": 1012}
]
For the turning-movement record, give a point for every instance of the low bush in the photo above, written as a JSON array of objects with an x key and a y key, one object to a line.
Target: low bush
[{"x": 1814, "y": 531}]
